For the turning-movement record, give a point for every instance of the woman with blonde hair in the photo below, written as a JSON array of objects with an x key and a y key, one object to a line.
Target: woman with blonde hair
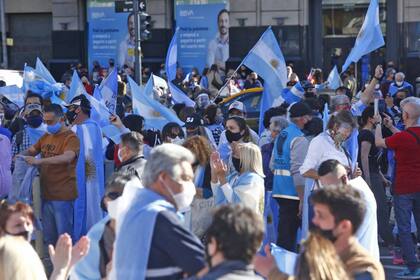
[
  {"x": 319, "y": 260},
  {"x": 246, "y": 184}
]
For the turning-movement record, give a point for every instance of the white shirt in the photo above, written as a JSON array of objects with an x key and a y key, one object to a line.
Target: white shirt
[
  {"x": 126, "y": 52},
  {"x": 218, "y": 51},
  {"x": 322, "y": 148},
  {"x": 367, "y": 234}
]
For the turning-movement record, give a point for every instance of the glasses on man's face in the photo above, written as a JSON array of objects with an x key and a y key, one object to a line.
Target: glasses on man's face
[{"x": 113, "y": 195}]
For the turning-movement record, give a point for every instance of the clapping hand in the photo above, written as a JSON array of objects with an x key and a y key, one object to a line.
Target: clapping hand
[{"x": 218, "y": 167}]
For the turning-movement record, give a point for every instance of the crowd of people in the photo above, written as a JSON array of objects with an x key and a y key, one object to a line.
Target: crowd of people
[{"x": 206, "y": 200}]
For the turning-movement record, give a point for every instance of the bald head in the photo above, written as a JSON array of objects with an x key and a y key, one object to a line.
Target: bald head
[{"x": 411, "y": 106}]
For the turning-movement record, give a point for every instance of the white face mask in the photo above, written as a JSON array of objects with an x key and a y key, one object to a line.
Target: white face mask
[
  {"x": 119, "y": 155},
  {"x": 177, "y": 140},
  {"x": 183, "y": 199},
  {"x": 399, "y": 83}
]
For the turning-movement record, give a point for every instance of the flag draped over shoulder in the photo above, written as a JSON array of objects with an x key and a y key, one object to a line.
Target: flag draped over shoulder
[
  {"x": 155, "y": 114},
  {"x": 178, "y": 96},
  {"x": 369, "y": 38},
  {"x": 90, "y": 178},
  {"x": 267, "y": 60}
]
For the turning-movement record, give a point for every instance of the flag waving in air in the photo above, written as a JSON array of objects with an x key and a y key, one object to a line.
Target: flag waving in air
[
  {"x": 109, "y": 90},
  {"x": 178, "y": 96},
  {"x": 155, "y": 114},
  {"x": 267, "y": 60},
  {"x": 369, "y": 38},
  {"x": 334, "y": 80}
]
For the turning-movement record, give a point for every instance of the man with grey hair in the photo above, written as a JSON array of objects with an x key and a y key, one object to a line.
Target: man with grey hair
[
  {"x": 340, "y": 103},
  {"x": 130, "y": 153},
  {"x": 400, "y": 84},
  {"x": 406, "y": 145},
  {"x": 152, "y": 242}
]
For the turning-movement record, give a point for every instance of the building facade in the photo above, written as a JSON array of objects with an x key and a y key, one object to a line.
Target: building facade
[{"x": 317, "y": 33}]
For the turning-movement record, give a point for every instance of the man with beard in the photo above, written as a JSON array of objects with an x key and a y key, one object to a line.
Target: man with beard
[
  {"x": 127, "y": 46},
  {"x": 218, "y": 51}
]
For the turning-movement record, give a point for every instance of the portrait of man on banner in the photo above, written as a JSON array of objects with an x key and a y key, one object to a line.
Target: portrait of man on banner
[
  {"x": 218, "y": 48},
  {"x": 127, "y": 46}
]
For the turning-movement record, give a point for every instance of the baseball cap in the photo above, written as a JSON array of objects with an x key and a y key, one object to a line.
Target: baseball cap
[
  {"x": 32, "y": 107},
  {"x": 81, "y": 101},
  {"x": 193, "y": 121},
  {"x": 299, "y": 109},
  {"x": 238, "y": 105}
]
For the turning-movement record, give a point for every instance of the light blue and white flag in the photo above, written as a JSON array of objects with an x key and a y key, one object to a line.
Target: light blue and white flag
[
  {"x": 99, "y": 112},
  {"x": 155, "y": 114},
  {"x": 285, "y": 260},
  {"x": 178, "y": 96},
  {"x": 89, "y": 177},
  {"x": 43, "y": 71},
  {"x": 295, "y": 94},
  {"x": 76, "y": 87},
  {"x": 334, "y": 80},
  {"x": 36, "y": 83},
  {"x": 267, "y": 60},
  {"x": 109, "y": 90},
  {"x": 369, "y": 38},
  {"x": 14, "y": 93}
]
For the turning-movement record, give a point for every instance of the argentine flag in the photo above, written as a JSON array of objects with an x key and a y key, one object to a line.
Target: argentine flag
[
  {"x": 334, "y": 80},
  {"x": 43, "y": 71},
  {"x": 178, "y": 96},
  {"x": 108, "y": 90},
  {"x": 14, "y": 94},
  {"x": 295, "y": 94},
  {"x": 155, "y": 114},
  {"x": 37, "y": 83},
  {"x": 369, "y": 38},
  {"x": 267, "y": 60}
]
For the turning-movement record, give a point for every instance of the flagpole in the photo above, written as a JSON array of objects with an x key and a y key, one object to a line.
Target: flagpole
[
  {"x": 355, "y": 74},
  {"x": 230, "y": 78}
]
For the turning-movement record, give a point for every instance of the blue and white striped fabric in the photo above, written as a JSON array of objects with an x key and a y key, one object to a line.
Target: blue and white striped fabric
[
  {"x": 369, "y": 38},
  {"x": 178, "y": 96},
  {"x": 155, "y": 114},
  {"x": 14, "y": 94},
  {"x": 267, "y": 60},
  {"x": 293, "y": 95}
]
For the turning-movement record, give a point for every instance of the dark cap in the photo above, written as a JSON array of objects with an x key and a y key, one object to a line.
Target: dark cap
[
  {"x": 193, "y": 121},
  {"x": 299, "y": 109},
  {"x": 81, "y": 101}
]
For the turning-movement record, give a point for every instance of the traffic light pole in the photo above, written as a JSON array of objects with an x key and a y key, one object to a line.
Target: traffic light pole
[{"x": 137, "y": 50}]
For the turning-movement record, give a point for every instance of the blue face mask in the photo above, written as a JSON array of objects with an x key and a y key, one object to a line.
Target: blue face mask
[{"x": 53, "y": 129}]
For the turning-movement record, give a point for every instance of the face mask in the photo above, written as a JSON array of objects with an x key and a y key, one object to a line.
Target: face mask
[
  {"x": 27, "y": 234},
  {"x": 183, "y": 199},
  {"x": 231, "y": 136},
  {"x": 53, "y": 129},
  {"x": 236, "y": 163},
  {"x": 71, "y": 116},
  {"x": 399, "y": 83},
  {"x": 328, "y": 234},
  {"x": 218, "y": 119},
  {"x": 34, "y": 121},
  {"x": 177, "y": 140},
  {"x": 119, "y": 155}
]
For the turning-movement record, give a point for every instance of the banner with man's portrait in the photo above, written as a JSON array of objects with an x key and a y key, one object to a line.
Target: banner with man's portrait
[{"x": 203, "y": 38}]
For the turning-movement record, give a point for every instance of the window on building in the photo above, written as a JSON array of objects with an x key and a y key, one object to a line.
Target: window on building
[
  {"x": 413, "y": 37},
  {"x": 344, "y": 18}
]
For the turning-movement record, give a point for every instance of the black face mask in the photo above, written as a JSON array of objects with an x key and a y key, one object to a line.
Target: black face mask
[
  {"x": 34, "y": 121},
  {"x": 328, "y": 234},
  {"x": 236, "y": 163},
  {"x": 233, "y": 137},
  {"x": 71, "y": 116}
]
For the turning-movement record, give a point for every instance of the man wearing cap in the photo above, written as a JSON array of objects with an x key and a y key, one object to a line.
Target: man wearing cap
[
  {"x": 32, "y": 130},
  {"x": 194, "y": 125},
  {"x": 90, "y": 166},
  {"x": 288, "y": 184},
  {"x": 237, "y": 109}
]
